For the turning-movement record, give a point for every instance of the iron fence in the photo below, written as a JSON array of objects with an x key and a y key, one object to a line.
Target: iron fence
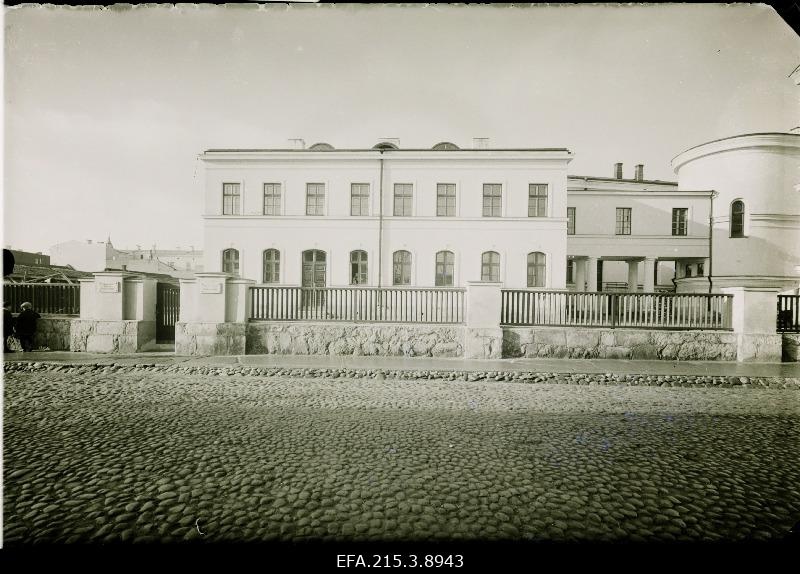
[
  {"x": 54, "y": 298},
  {"x": 788, "y": 314},
  {"x": 595, "y": 309},
  {"x": 359, "y": 304}
]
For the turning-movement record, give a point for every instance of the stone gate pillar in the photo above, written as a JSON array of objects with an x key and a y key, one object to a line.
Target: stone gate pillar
[
  {"x": 214, "y": 313},
  {"x": 483, "y": 337},
  {"x": 754, "y": 318},
  {"x": 117, "y": 313}
]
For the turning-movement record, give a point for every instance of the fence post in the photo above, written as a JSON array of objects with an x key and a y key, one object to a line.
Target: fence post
[
  {"x": 483, "y": 337},
  {"x": 117, "y": 314},
  {"x": 214, "y": 313},
  {"x": 754, "y": 323}
]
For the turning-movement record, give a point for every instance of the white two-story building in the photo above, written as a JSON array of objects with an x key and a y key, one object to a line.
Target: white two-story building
[{"x": 385, "y": 216}]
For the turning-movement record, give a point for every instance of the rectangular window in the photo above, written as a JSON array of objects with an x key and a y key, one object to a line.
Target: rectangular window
[
  {"x": 315, "y": 199},
  {"x": 403, "y": 198},
  {"x": 231, "y": 199},
  {"x": 570, "y": 271},
  {"x": 446, "y": 199},
  {"x": 272, "y": 199},
  {"x": 623, "y": 221},
  {"x": 570, "y": 221},
  {"x": 700, "y": 269},
  {"x": 537, "y": 200},
  {"x": 680, "y": 216},
  {"x": 359, "y": 199},
  {"x": 492, "y": 199}
]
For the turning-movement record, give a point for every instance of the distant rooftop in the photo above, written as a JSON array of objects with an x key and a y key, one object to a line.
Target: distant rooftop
[{"x": 593, "y": 177}]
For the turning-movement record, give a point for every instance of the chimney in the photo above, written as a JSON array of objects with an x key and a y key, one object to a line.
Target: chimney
[
  {"x": 480, "y": 143},
  {"x": 297, "y": 143},
  {"x": 618, "y": 170},
  {"x": 639, "y": 172}
]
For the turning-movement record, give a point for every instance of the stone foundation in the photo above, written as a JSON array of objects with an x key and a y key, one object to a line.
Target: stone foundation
[
  {"x": 53, "y": 332},
  {"x": 387, "y": 340},
  {"x": 576, "y": 343},
  {"x": 94, "y": 336},
  {"x": 791, "y": 347},
  {"x": 210, "y": 338},
  {"x": 483, "y": 343},
  {"x": 759, "y": 347}
]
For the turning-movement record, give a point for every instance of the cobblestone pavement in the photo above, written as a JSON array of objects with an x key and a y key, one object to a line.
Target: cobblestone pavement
[{"x": 141, "y": 454}]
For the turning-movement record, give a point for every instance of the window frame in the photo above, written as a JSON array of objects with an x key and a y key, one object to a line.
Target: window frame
[
  {"x": 447, "y": 196},
  {"x": 407, "y": 200},
  {"x": 676, "y": 221},
  {"x": 740, "y": 224},
  {"x": 363, "y": 198},
  {"x": 238, "y": 195},
  {"x": 316, "y": 195},
  {"x": 238, "y": 271},
  {"x": 536, "y": 199},
  {"x": 359, "y": 271},
  {"x": 279, "y": 187},
  {"x": 571, "y": 220},
  {"x": 492, "y": 277},
  {"x": 492, "y": 206},
  {"x": 535, "y": 265},
  {"x": 275, "y": 263},
  {"x": 440, "y": 278},
  {"x": 621, "y": 230},
  {"x": 403, "y": 265}
]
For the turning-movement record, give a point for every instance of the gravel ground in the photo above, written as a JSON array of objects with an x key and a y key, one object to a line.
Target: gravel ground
[{"x": 159, "y": 454}]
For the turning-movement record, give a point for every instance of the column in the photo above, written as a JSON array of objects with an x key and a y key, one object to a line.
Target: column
[
  {"x": 580, "y": 274},
  {"x": 649, "y": 274},
  {"x": 483, "y": 337},
  {"x": 591, "y": 274},
  {"x": 633, "y": 275}
]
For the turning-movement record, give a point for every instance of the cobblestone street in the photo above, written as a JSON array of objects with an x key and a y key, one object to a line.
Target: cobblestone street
[{"x": 109, "y": 454}]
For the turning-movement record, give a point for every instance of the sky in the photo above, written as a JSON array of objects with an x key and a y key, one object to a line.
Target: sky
[{"x": 106, "y": 110}]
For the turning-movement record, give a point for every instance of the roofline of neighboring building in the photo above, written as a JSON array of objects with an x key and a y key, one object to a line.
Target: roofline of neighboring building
[
  {"x": 732, "y": 138},
  {"x": 560, "y": 149},
  {"x": 622, "y": 180}
]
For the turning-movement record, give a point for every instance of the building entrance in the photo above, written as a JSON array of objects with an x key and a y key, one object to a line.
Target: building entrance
[
  {"x": 314, "y": 270},
  {"x": 168, "y": 304}
]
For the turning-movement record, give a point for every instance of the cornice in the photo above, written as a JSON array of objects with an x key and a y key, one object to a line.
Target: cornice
[{"x": 768, "y": 141}]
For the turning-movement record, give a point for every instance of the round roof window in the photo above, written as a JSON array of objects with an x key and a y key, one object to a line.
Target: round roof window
[
  {"x": 445, "y": 146},
  {"x": 322, "y": 146}
]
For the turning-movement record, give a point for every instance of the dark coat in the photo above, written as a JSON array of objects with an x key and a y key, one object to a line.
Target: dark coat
[
  {"x": 26, "y": 322},
  {"x": 8, "y": 323}
]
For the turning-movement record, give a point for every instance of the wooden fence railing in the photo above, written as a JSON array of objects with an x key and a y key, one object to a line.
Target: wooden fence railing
[
  {"x": 55, "y": 298},
  {"x": 788, "y": 314},
  {"x": 372, "y": 305},
  {"x": 639, "y": 310}
]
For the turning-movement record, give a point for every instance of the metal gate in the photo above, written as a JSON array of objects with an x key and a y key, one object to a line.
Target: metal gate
[{"x": 168, "y": 304}]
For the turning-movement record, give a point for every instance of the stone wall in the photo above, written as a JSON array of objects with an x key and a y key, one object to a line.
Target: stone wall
[
  {"x": 569, "y": 342},
  {"x": 53, "y": 332},
  {"x": 95, "y": 336},
  {"x": 284, "y": 338},
  {"x": 210, "y": 339},
  {"x": 791, "y": 347}
]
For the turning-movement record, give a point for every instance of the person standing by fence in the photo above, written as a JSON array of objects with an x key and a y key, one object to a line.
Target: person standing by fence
[
  {"x": 26, "y": 326},
  {"x": 8, "y": 327}
]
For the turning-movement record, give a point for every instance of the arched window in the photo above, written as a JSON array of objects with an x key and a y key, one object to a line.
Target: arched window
[
  {"x": 445, "y": 263},
  {"x": 230, "y": 261},
  {"x": 358, "y": 267},
  {"x": 272, "y": 266},
  {"x": 737, "y": 218},
  {"x": 536, "y": 269},
  {"x": 401, "y": 264},
  {"x": 490, "y": 266}
]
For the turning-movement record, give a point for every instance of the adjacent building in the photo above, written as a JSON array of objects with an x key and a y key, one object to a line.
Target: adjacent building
[{"x": 94, "y": 256}]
